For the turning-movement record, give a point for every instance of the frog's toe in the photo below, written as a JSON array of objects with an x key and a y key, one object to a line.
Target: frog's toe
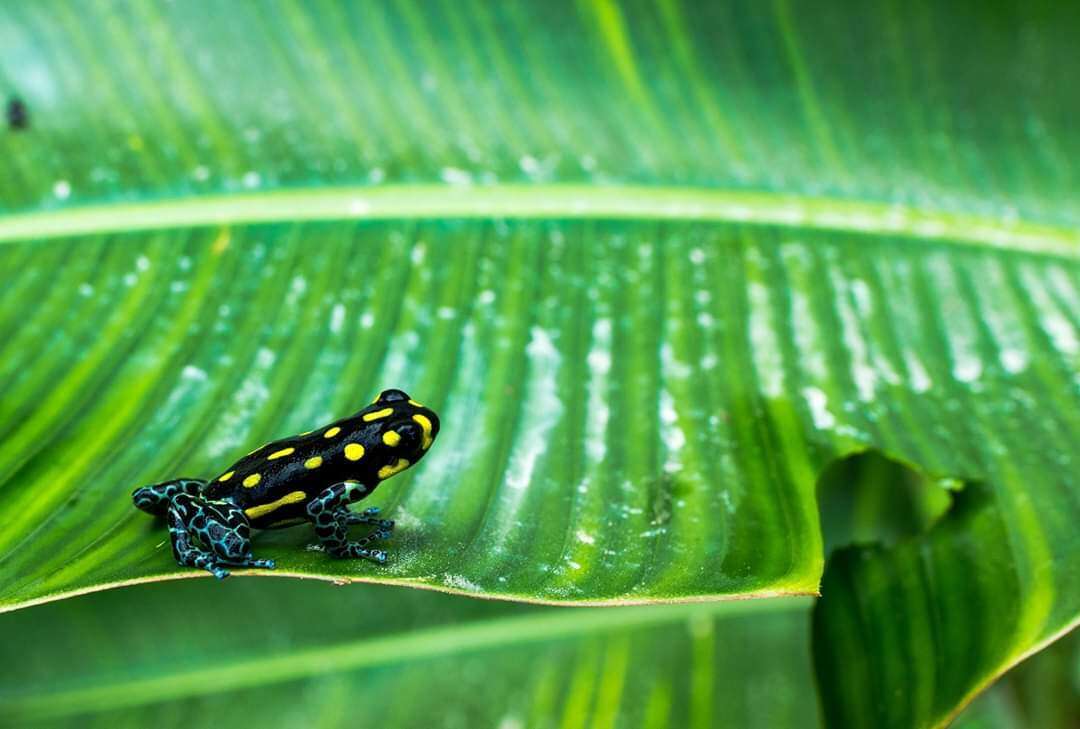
[
  {"x": 382, "y": 534},
  {"x": 219, "y": 572},
  {"x": 373, "y": 511},
  {"x": 377, "y": 555},
  {"x": 264, "y": 563}
]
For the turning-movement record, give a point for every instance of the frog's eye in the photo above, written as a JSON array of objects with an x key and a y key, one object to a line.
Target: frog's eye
[
  {"x": 392, "y": 396},
  {"x": 407, "y": 433}
]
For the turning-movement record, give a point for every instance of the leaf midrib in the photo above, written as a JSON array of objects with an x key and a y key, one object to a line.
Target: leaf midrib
[
  {"x": 548, "y": 201},
  {"x": 423, "y": 643}
]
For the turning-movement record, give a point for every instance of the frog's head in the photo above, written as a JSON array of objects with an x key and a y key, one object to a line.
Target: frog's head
[{"x": 410, "y": 429}]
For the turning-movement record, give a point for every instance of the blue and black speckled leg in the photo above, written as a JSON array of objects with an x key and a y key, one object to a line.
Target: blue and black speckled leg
[
  {"x": 156, "y": 499},
  {"x": 367, "y": 516},
  {"x": 186, "y": 554},
  {"x": 331, "y": 518},
  {"x": 220, "y": 526}
]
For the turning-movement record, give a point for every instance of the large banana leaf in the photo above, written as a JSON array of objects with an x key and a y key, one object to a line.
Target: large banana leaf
[{"x": 656, "y": 265}]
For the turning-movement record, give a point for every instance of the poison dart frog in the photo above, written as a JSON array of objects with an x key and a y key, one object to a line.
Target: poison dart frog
[{"x": 311, "y": 477}]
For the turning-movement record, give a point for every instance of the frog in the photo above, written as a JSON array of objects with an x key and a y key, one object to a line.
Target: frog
[{"x": 310, "y": 478}]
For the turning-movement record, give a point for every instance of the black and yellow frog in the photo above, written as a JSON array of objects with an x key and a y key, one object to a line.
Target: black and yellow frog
[{"x": 311, "y": 477}]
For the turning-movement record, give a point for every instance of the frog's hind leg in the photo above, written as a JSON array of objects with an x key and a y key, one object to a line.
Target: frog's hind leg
[
  {"x": 331, "y": 518},
  {"x": 181, "y": 516},
  {"x": 228, "y": 534},
  {"x": 220, "y": 526},
  {"x": 156, "y": 499}
]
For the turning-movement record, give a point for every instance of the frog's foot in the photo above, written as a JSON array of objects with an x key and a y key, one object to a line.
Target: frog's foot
[
  {"x": 367, "y": 516},
  {"x": 353, "y": 550},
  {"x": 331, "y": 517},
  {"x": 192, "y": 557},
  {"x": 336, "y": 542}
]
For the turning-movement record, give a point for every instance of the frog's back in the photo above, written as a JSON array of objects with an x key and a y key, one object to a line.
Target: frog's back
[{"x": 274, "y": 483}]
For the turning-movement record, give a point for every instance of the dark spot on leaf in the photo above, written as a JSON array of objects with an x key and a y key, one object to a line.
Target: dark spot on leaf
[
  {"x": 666, "y": 490},
  {"x": 18, "y": 117}
]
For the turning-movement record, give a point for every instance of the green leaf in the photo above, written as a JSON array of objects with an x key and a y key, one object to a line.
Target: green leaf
[
  {"x": 267, "y": 651},
  {"x": 579, "y": 462},
  {"x": 1042, "y": 692},
  {"x": 938, "y": 606},
  {"x": 656, "y": 266},
  {"x": 250, "y": 650}
]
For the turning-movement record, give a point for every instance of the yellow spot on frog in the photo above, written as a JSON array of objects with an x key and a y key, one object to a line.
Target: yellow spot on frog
[
  {"x": 281, "y": 454},
  {"x": 424, "y": 423},
  {"x": 227, "y": 476},
  {"x": 252, "y": 481},
  {"x": 332, "y": 432},
  {"x": 415, "y": 404},
  {"x": 307, "y": 432},
  {"x": 256, "y": 511},
  {"x": 354, "y": 451},
  {"x": 391, "y": 438},
  {"x": 378, "y": 414},
  {"x": 313, "y": 462},
  {"x": 388, "y": 471}
]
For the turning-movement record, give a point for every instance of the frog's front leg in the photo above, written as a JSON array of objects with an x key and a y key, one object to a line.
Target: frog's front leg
[
  {"x": 367, "y": 516},
  {"x": 220, "y": 526},
  {"x": 331, "y": 518}
]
